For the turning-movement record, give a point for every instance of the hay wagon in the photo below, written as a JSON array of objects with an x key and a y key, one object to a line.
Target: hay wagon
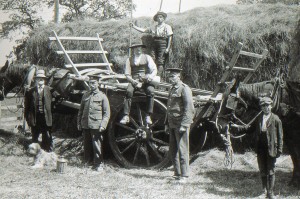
[{"x": 137, "y": 144}]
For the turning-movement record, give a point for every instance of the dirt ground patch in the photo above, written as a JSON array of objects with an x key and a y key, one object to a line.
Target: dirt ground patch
[{"x": 209, "y": 178}]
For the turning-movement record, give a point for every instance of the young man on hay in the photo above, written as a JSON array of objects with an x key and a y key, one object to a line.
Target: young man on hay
[
  {"x": 269, "y": 142},
  {"x": 180, "y": 114},
  {"x": 163, "y": 34},
  {"x": 140, "y": 71},
  {"x": 93, "y": 117},
  {"x": 37, "y": 110}
]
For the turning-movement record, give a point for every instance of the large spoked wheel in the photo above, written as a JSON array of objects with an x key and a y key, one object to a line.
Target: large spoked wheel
[{"x": 137, "y": 145}]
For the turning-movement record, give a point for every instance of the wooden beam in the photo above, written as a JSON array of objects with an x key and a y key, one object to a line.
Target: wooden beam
[
  {"x": 76, "y": 38},
  {"x": 243, "y": 69},
  {"x": 81, "y": 52},
  {"x": 251, "y": 54},
  {"x": 87, "y": 65}
]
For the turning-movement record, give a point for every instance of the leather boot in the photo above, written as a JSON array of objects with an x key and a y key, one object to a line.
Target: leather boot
[
  {"x": 271, "y": 186},
  {"x": 264, "y": 185}
]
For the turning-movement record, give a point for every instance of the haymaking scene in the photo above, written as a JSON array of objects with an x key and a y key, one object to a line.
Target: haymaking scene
[{"x": 149, "y": 99}]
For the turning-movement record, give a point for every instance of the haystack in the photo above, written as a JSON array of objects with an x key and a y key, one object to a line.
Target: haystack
[{"x": 204, "y": 40}]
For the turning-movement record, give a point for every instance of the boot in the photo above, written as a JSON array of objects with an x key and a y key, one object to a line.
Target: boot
[
  {"x": 125, "y": 119},
  {"x": 271, "y": 186},
  {"x": 148, "y": 120},
  {"x": 264, "y": 185}
]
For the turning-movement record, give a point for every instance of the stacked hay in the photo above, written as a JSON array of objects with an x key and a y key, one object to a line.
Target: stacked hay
[
  {"x": 294, "y": 65},
  {"x": 204, "y": 40}
]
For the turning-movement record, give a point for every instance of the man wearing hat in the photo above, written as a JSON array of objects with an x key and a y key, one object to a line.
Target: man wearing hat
[
  {"x": 38, "y": 112},
  {"x": 93, "y": 117},
  {"x": 180, "y": 114},
  {"x": 140, "y": 71},
  {"x": 163, "y": 34},
  {"x": 268, "y": 145}
]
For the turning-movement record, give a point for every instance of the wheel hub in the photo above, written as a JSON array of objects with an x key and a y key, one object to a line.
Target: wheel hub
[{"x": 143, "y": 133}]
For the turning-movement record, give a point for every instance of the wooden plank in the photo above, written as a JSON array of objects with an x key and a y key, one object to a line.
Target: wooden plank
[
  {"x": 243, "y": 69},
  {"x": 81, "y": 52},
  {"x": 76, "y": 38},
  {"x": 8, "y": 119},
  {"x": 8, "y": 107},
  {"x": 251, "y": 54},
  {"x": 86, "y": 65},
  {"x": 258, "y": 63}
]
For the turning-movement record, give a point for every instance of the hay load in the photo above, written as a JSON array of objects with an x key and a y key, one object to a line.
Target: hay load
[{"x": 204, "y": 40}]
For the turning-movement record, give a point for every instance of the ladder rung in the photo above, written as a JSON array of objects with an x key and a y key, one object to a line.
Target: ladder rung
[
  {"x": 251, "y": 54},
  {"x": 82, "y": 52},
  {"x": 87, "y": 65},
  {"x": 243, "y": 69},
  {"x": 76, "y": 38}
]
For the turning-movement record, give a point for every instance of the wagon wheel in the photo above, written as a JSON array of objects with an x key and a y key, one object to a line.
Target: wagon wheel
[{"x": 135, "y": 145}]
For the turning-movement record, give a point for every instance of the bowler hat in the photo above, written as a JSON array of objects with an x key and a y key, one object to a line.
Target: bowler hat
[
  {"x": 40, "y": 74},
  {"x": 265, "y": 100},
  {"x": 138, "y": 45},
  {"x": 159, "y": 13}
]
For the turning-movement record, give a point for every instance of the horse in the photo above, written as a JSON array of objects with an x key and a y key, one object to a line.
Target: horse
[{"x": 240, "y": 105}]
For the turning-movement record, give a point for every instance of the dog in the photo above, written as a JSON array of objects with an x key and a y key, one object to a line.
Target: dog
[{"x": 41, "y": 157}]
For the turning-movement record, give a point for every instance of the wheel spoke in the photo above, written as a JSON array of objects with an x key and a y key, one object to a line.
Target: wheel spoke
[
  {"x": 126, "y": 138},
  {"x": 140, "y": 114},
  {"x": 130, "y": 145},
  {"x": 156, "y": 122},
  {"x": 136, "y": 152},
  {"x": 144, "y": 150},
  {"x": 125, "y": 127},
  {"x": 160, "y": 141},
  {"x": 155, "y": 150},
  {"x": 157, "y": 132},
  {"x": 134, "y": 123}
]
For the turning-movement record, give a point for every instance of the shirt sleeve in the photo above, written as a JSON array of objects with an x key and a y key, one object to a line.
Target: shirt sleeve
[
  {"x": 152, "y": 67},
  {"x": 127, "y": 68},
  {"x": 169, "y": 30}
]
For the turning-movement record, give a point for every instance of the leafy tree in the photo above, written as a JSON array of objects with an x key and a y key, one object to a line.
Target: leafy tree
[
  {"x": 288, "y": 2},
  {"x": 23, "y": 15},
  {"x": 99, "y": 9}
]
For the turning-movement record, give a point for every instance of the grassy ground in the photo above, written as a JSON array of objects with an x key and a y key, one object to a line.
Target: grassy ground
[{"x": 209, "y": 179}]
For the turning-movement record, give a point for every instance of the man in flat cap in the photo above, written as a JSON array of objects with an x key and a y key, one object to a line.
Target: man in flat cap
[
  {"x": 140, "y": 71},
  {"x": 180, "y": 114},
  {"x": 93, "y": 117},
  {"x": 37, "y": 111},
  {"x": 163, "y": 34},
  {"x": 268, "y": 144}
]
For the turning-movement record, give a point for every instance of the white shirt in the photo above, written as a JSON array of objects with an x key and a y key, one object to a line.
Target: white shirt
[
  {"x": 264, "y": 122},
  {"x": 40, "y": 88}
]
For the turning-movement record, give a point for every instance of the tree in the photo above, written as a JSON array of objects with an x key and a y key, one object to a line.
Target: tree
[
  {"x": 23, "y": 15},
  {"x": 98, "y": 9},
  {"x": 288, "y": 2}
]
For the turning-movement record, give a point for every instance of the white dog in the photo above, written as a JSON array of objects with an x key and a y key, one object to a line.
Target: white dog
[{"x": 41, "y": 157}]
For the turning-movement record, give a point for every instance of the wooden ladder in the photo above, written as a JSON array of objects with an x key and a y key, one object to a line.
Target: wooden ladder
[
  {"x": 231, "y": 67},
  {"x": 79, "y": 69}
]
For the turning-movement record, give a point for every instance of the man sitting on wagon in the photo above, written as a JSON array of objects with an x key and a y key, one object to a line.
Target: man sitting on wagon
[{"x": 140, "y": 70}]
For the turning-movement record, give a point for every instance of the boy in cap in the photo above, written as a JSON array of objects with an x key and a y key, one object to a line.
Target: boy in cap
[
  {"x": 93, "y": 117},
  {"x": 269, "y": 142},
  {"x": 163, "y": 34},
  {"x": 180, "y": 114},
  {"x": 37, "y": 110},
  {"x": 140, "y": 70}
]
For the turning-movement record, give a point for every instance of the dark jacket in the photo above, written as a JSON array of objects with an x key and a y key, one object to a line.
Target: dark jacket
[
  {"x": 94, "y": 113},
  {"x": 180, "y": 107},
  {"x": 274, "y": 134},
  {"x": 31, "y": 105}
]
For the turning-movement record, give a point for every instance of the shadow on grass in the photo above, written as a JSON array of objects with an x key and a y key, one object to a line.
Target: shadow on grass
[{"x": 245, "y": 184}]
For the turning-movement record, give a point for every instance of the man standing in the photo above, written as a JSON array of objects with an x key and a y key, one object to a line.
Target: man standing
[
  {"x": 37, "y": 111},
  {"x": 140, "y": 71},
  {"x": 269, "y": 142},
  {"x": 163, "y": 34},
  {"x": 93, "y": 117},
  {"x": 180, "y": 114}
]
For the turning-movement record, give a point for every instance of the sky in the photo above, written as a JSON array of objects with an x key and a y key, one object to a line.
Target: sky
[{"x": 143, "y": 8}]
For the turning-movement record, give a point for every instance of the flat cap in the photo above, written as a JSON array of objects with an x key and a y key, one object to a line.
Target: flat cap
[
  {"x": 174, "y": 70},
  {"x": 93, "y": 78},
  {"x": 265, "y": 100}
]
